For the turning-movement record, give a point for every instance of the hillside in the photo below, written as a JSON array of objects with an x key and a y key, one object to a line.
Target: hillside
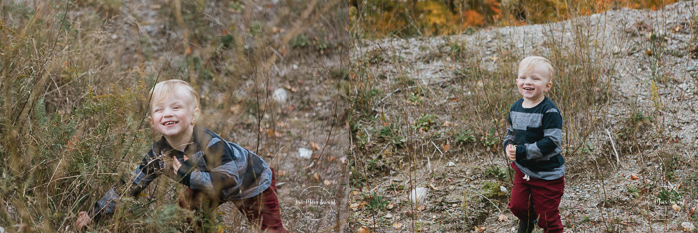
[{"x": 429, "y": 112}]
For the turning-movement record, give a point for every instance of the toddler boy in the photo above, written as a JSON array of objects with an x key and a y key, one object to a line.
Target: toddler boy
[
  {"x": 533, "y": 144},
  {"x": 214, "y": 170}
]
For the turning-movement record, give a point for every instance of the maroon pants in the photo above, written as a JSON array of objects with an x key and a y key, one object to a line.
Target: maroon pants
[
  {"x": 262, "y": 209},
  {"x": 537, "y": 199}
]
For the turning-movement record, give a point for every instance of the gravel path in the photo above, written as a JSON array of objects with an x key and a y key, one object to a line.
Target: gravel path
[{"x": 622, "y": 38}]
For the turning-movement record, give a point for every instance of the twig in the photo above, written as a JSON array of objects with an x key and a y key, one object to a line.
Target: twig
[
  {"x": 437, "y": 148},
  {"x": 613, "y": 144},
  {"x": 329, "y": 134},
  {"x": 389, "y": 94}
]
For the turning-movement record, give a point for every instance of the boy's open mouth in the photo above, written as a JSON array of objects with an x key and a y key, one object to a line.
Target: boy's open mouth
[
  {"x": 528, "y": 88},
  {"x": 170, "y": 123}
]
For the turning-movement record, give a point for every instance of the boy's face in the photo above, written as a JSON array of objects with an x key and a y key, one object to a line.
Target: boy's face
[
  {"x": 532, "y": 84},
  {"x": 173, "y": 116}
]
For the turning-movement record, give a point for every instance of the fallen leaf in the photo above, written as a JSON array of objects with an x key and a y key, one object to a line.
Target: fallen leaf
[
  {"x": 273, "y": 133},
  {"x": 480, "y": 229},
  {"x": 390, "y": 206},
  {"x": 327, "y": 182},
  {"x": 316, "y": 177},
  {"x": 397, "y": 225},
  {"x": 354, "y": 206},
  {"x": 447, "y": 124},
  {"x": 363, "y": 230},
  {"x": 421, "y": 207},
  {"x": 433, "y": 187},
  {"x": 676, "y": 207},
  {"x": 281, "y": 124},
  {"x": 503, "y": 218},
  {"x": 446, "y": 147},
  {"x": 315, "y": 146},
  {"x": 235, "y": 109},
  {"x": 690, "y": 213},
  {"x": 355, "y": 193},
  {"x": 688, "y": 226},
  {"x": 633, "y": 176}
]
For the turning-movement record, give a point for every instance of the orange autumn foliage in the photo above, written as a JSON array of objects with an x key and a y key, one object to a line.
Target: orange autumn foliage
[
  {"x": 473, "y": 18},
  {"x": 434, "y": 17}
]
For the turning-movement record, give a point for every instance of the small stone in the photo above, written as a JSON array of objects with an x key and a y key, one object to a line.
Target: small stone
[
  {"x": 304, "y": 153},
  {"x": 418, "y": 195},
  {"x": 688, "y": 226},
  {"x": 280, "y": 95},
  {"x": 451, "y": 164},
  {"x": 388, "y": 215}
]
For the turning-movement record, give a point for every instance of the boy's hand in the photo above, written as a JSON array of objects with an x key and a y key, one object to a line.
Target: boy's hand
[
  {"x": 511, "y": 152},
  {"x": 176, "y": 164},
  {"x": 83, "y": 220}
]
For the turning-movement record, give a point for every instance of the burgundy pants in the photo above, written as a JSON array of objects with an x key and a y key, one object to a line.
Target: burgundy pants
[
  {"x": 262, "y": 209},
  {"x": 537, "y": 199}
]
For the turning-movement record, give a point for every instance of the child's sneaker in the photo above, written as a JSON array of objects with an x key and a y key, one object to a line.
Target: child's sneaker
[{"x": 526, "y": 227}]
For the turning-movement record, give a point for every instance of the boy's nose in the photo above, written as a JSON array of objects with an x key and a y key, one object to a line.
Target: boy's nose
[{"x": 167, "y": 112}]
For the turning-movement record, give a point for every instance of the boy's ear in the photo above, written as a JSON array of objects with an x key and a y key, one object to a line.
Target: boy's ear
[
  {"x": 150, "y": 120},
  {"x": 548, "y": 85},
  {"x": 196, "y": 116}
]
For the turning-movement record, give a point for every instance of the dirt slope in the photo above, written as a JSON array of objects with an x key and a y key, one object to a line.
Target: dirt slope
[{"x": 618, "y": 185}]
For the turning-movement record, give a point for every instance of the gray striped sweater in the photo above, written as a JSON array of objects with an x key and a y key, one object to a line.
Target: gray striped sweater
[
  {"x": 222, "y": 169},
  {"x": 537, "y": 132}
]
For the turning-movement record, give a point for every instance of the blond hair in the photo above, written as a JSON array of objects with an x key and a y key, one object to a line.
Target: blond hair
[
  {"x": 164, "y": 89},
  {"x": 529, "y": 63}
]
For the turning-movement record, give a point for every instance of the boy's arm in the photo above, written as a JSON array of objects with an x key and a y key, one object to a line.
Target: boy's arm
[
  {"x": 509, "y": 138},
  {"x": 549, "y": 146},
  {"x": 222, "y": 176},
  {"x": 142, "y": 176}
]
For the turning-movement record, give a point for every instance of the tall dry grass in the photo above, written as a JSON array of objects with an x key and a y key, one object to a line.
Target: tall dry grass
[{"x": 75, "y": 78}]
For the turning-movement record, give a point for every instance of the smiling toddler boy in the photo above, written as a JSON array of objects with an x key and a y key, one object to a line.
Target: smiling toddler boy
[
  {"x": 533, "y": 145},
  {"x": 214, "y": 170}
]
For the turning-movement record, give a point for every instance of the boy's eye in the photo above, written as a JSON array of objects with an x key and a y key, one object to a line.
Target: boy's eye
[{"x": 158, "y": 110}]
